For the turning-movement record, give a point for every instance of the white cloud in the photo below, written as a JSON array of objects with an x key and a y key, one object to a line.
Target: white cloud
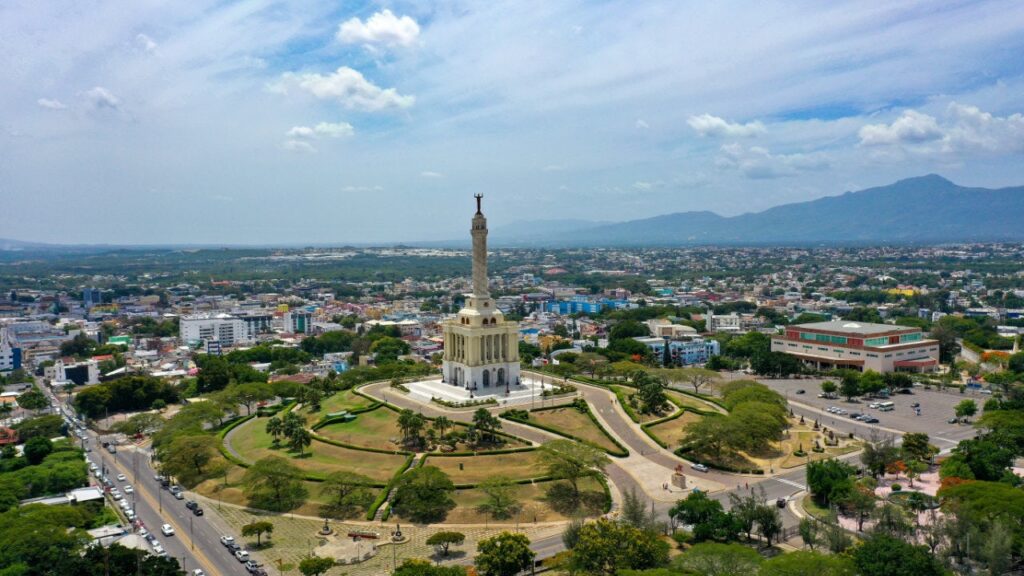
[
  {"x": 431, "y": 174},
  {"x": 298, "y": 146},
  {"x": 51, "y": 104},
  {"x": 708, "y": 125},
  {"x": 642, "y": 124},
  {"x": 757, "y": 163},
  {"x": 553, "y": 168},
  {"x": 351, "y": 188},
  {"x": 325, "y": 129},
  {"x": 145, "y": 43},
  {"x": 963, "y": 128},
  {"x": 911, "y": 128},
  {"x": 972, "y": 129},
  {"x": 100, "y": 98},
  {"x": 348, "y": 87},
  {"x": 382, "y": 28}
]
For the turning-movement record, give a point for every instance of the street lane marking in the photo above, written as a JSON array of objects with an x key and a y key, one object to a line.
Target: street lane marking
[
  {"x": 789, "y": 482},
  {"x": 169, "y": 518}
]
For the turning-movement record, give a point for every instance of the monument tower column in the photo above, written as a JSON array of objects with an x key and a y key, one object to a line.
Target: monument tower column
[{"x": 479, "y": 233}]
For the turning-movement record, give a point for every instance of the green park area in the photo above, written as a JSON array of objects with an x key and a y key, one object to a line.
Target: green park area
[
  {"x": 346, "y": 400},
  {"x": 571, "y": 422},
  {"x": 377, "y": 429},
  {"x": 252, "y": 442},
  {"x": 671, "y": 432},
  {"x": 465, "y": 470},
  {"x": 687, "y": 401},
  {"x": 535, "y": 505}
]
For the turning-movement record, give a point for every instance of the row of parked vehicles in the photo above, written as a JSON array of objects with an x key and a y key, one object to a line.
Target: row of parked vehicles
[
  {"x": 240, "y": 554},
  {"x": 866, "y": 418}
]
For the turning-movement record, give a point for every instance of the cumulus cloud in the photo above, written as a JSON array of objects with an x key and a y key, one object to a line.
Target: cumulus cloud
[
  {"x": 351, "y": 188},
  {"x": 431, "y": 174},
  {"x": 383, "y": 28},
  {"x": 642, "y": 124},
  {"x": 757, "y": 163},
  {"x": 346, "y": 86},
  {"x": 51, "y": 104},
  {"x": 708, "y": 125},
  {"x": 145, "y": 43},
  {"x": 323, "y": 129},
  {"x": 912, "y": 127},
  {"x": 963, "y": 128},
  {"x": 100, "y": 98},
  {"x": 972, "y": 129},
  {"x": 295, "y": 145}
]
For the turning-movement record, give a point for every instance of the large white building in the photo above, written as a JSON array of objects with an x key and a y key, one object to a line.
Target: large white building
[
  {"x": 860, "y": 346},
  {"x": 481, "y": 348},
  {"x": 222, "y": 329}
]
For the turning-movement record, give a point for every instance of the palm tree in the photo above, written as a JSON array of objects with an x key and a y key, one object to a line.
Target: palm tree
[
  {"x": 275, "y": 427},
  {"x": 442, "y": 423},
  {"x": 486, "y": 423},
  {"x": 411, "y": 424},
  {"x": 299, "y": 439}
]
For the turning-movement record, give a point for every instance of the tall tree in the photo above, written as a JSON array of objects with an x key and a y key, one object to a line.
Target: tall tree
[
  {"x": 275, "y": 484},
  {"x": 501, "y": 500},
  {"x": 347, "y": 493},
  {"x": 258, "y": 529},
  {"x": 571, "y": 461},
  {"x": 445, "y": 539},
  {"x": 506, "y": 554},
  {"x": 424, "y": 495}
]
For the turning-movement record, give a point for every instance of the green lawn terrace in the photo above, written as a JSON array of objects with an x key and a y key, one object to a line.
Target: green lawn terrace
[
  {"x": 251, "y": 442},
  {"x": 471, "y": 470},
  {"x": 378, "y": 429},
  {"x": 572, "y": 422}
]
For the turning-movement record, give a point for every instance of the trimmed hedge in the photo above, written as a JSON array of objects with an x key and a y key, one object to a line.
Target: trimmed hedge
[{"x": 383, "y": 496}]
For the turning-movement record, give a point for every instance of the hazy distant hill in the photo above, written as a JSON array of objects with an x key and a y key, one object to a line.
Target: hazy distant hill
[{"x": 925, "y": 209}]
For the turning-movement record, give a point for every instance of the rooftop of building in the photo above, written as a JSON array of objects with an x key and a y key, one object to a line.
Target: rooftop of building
[{"x": 858, "y": 328}]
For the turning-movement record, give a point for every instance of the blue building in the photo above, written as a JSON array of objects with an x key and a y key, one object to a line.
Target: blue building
[
  {"x": 683, "y": 352},
  {"x": 583, "y": 305},
  {"x": 10, "y": 353}
]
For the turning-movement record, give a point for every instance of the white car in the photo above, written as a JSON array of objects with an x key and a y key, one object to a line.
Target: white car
[
  {"x": 116, "y": 496},
  {"x": 227, "y": 540},
  {"x": 167, "y": 530},
  {"x": 158, "y": 549},
  {"x": 128, "y": 489},
  {"x": 121, "y": 478},
  {"x": 699, "y": 467},
  {"x": 198, "y": 572}
]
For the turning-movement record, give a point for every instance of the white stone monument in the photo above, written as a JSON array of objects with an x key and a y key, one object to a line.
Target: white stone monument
[{"x": 481, "y": 348}]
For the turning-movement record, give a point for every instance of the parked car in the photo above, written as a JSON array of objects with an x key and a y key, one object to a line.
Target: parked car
[
  {"x": 197, "y": 511},
  {"x": 242, "y": 556},
  {"x": 121, "y": 478},
  {"x": 227, "y": 540},
  {"x": 128, "y": 489},
  {"x": 167, "y": 530},
  {"x": 178, "y": 495},
  {"x": 198, "y": 572},
  {"x": 915, "y": 405},
  {"x": 252, "y": 566},
  {"x": 781, "y": 502},
  {"x": 873, "y": 405},
  {"x": 699, "y": 467},
  {"x": 855, "y": 415},
  {"x": 952, "y": 420},
  {"x": 871, "y": 420},
  {"x": 801, "y": 391},
  {"x": 191, "y": 504}
]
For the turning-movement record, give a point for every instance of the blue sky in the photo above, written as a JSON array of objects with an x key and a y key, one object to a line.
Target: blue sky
[{"x": 310, "y": 121}]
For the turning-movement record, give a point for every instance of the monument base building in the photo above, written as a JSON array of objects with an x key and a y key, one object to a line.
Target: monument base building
[{"x": 481, "y": 348}]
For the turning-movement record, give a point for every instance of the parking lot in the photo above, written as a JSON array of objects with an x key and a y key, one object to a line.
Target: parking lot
[{"x": 936, "y": 409}]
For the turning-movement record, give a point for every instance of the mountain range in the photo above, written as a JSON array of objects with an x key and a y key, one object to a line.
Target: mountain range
[{"x": 926, "y": 209}]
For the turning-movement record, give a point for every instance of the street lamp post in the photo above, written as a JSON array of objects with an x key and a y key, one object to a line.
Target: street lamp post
[{"x": 191, "y": 538}]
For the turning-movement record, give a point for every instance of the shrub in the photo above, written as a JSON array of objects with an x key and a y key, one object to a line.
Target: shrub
[{"x": 896, "y": 487}]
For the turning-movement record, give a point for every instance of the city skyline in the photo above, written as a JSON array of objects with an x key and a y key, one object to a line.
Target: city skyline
[{"x": 271, "y": 123}]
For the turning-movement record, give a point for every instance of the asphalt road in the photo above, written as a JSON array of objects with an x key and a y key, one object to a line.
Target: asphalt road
[{"x": 196, "y": 543}]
